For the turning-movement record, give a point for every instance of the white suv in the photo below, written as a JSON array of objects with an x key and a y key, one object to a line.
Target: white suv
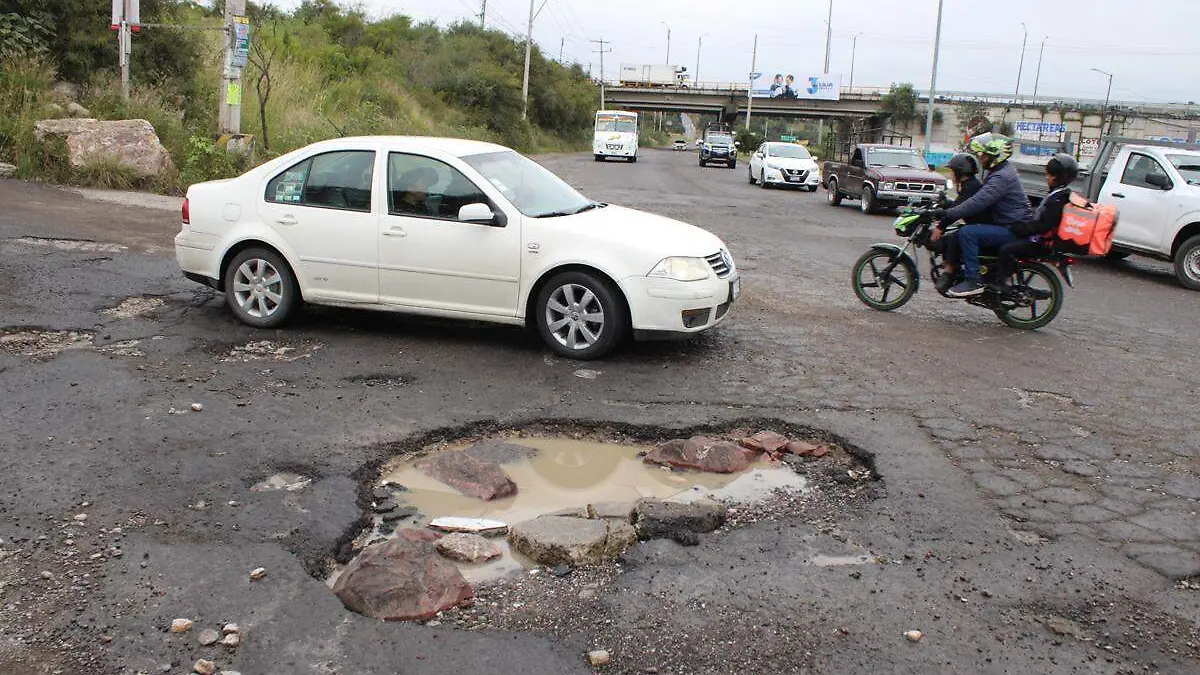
[{"x": 450, "y": 228}]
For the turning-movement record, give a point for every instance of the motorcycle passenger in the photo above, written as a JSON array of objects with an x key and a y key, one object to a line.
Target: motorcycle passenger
[
  {"x": 965, "y": 169},
  {"x": 1061, "y": 171},
  {"x": 1001, "y": 196}
]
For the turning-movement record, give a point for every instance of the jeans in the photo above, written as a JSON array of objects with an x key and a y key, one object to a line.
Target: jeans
[
  {"x": 974, "y": 237},
  {"x": 1013, "y": 251}
]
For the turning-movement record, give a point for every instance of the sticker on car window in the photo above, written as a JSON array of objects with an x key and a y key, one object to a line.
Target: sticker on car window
[{"x": 289, "y": 191}]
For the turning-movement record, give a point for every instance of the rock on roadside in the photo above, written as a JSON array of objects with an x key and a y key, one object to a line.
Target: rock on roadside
[
  {"x": 655, "y": 519},
  {"x": 702, "y": 454},
  {"x": 7, "y": 170},
  {"x": 403, "y": 579},
  {"x": 128, "y": 143},
  {"x": 558, "y": 540},
  {"x": 469, "y": 475},
  {"x": 467, "y": 548}
]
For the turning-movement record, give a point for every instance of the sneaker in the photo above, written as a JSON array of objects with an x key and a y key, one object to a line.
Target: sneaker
[
  {"x": 966, "y": 289},
  {"x": 944, "y": 283}
]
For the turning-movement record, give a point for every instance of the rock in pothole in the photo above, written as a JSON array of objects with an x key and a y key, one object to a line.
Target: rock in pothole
[
  {"x": 134, "y": 307},
  {"x": 655, "y": 519},
  {"x": 765, "y": 441},
  {"x": 702, "y": 453},
  {"x": 39, "y": 344},
  {"x": 467, "y": 548},
  {"x": 469, "y": 475},
  {"x": 402, "y": 579},
  {"x": 558, "y": 540}
]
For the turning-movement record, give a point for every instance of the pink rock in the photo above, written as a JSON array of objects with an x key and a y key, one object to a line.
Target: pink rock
[
  {"x": 702, "y": 454},
  {"x": 469, "y": 475},
  {"x": 401, "y": 580},
  {"x": 765, "y": 441}
]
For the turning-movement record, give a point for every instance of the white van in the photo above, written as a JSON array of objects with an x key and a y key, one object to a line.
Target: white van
[{"x": 616, "y": 135}]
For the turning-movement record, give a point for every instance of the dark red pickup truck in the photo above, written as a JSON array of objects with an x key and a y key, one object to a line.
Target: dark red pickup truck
[{"x": 882, "y": 176}]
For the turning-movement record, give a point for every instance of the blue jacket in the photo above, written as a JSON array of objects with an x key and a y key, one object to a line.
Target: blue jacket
[{"x": 1001, "y": 196}]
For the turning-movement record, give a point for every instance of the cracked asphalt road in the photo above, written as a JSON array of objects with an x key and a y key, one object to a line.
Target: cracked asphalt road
[{"x": 1039, "y": 511}]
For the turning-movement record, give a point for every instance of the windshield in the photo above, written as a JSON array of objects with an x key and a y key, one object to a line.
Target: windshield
[
  {"x": 625, "y": 125},
  {"x": 531, "y": 188},
  {"x": 901, "y": 158},
  {"x": 718, "y": 139},
  {"x": 1189, "y": 166},
  {"x": 788, "y": 151}
]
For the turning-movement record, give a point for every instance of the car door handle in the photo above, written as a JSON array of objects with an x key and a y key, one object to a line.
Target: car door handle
[
  {"x": 288, "y": 219},
  {"x": 1118, "y": 195},
  {"x": 395, "y": 231}
]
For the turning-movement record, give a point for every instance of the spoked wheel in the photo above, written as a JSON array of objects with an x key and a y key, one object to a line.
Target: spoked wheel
[
  {"x": 884, "y": 280},
  {"x": 580, "y": 316},
  {"x": 1036, "y": 297}
]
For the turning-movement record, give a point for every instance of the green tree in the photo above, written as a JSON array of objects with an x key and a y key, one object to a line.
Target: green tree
[{"x": 900, "y": 103}]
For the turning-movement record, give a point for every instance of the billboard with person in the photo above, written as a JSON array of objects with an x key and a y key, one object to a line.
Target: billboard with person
[{"x": 785, "y": 85}]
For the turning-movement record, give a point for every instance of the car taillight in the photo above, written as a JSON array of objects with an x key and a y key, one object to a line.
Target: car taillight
[{"x": 187, "y": 216}]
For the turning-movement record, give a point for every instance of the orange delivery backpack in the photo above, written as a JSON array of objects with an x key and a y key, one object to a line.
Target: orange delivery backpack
[{"x": 1087, "y": 228}]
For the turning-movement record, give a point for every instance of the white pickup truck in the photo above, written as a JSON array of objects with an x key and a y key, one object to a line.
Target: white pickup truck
[{"x": 1156, "y": 189}]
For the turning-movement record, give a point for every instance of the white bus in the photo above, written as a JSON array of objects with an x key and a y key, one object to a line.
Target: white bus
[{"x": 616, "y": 135}]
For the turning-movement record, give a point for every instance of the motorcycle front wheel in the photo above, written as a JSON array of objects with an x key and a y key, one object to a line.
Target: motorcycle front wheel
[
  {"x": 1036, "y": 297},
  {"x": 884, "y": 280}
]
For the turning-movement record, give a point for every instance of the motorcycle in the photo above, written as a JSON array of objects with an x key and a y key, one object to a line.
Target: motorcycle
[{"x": 887, "y": 276}]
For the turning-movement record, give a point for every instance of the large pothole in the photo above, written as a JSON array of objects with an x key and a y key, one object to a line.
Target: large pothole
[{"x": 533, "y": 500}]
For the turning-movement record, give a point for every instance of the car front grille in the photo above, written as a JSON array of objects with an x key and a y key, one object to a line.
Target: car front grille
[
  {"x": 916, "y": 187},
  {"x": 721, "y": 264},
  {"x": 800, "y": 174}
]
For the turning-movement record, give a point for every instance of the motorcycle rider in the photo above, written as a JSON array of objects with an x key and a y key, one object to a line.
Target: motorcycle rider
[
  {"x": 1061, "y": 171},
  {"x": 1001, "y": 196},
  {"x": 965, "y": 169}
]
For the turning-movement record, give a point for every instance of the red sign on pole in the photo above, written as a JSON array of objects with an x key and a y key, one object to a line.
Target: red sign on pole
[{"x": 128, "y": 11}]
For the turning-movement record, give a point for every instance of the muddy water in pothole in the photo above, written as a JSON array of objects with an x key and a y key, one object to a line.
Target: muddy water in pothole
[{"x": 570, "y": 474}]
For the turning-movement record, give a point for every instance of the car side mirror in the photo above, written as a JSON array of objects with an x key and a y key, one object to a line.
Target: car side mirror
[
  {"x": 1159, "y": 181},
  {"x": 479, "y": 213}
]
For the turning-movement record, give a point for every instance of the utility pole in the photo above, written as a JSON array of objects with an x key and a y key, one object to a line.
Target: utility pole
[
  {"x": 750, "y": 89},
  {"x": 483, "y": 15},
  {"x": 125, "y": 21},
  {"x": 937, "y": 43},
  {"x": 602, "y": 51},
  {"x": 828, "y": 36},
  {"x": 668, "y": 61},
  {"x": 562, "y": 42},
  {"x": 528, "y": 49},
  {"x": 696, "y": 72},
  {"x": 231, "y": 92},
  {"x": 1038, "y": 77}
]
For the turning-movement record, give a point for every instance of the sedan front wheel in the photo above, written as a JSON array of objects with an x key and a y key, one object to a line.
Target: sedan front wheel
[{"x": 580, "y": 316}]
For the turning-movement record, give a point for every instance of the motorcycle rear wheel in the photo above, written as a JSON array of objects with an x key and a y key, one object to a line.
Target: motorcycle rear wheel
[
  {"x": 1034, "y": 281},
  {"x": 874, "y": 283}
]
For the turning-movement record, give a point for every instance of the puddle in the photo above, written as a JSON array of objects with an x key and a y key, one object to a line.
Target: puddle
[
  {"x": 134, "y": 307},
  {"x": 43, "y": 343},
  {"x": 71, "y": 244},
  {"x": 566, "y": 474},
  {"x": 266, "y": 350},
  {"x": 289, "y": 482}
]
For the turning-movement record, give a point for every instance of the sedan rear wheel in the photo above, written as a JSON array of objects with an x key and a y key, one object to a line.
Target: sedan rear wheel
[
  {"x": 260, "y": 288},
  {"x": 580, "y": 316}
]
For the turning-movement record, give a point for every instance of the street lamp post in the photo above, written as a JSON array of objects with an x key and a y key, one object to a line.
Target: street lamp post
[
  {"x": 1107, "y": 95},
  {"x": 937, "y": 43},
  {"x": 696, "y": 72},
  {"x": 853, "y": 52},
  {"x": 1038, "y": 77},
  {"x": 668, "y": 42},
  {"x": 1021, "y": 64}
]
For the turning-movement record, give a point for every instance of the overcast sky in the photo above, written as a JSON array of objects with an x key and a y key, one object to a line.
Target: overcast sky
[{"x": 1150, "y": 46}]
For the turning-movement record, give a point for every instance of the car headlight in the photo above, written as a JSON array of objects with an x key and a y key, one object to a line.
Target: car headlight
[
  {"x": 949, "y": 185},
  {"x": 681, "y": 269},
  {"x": 773, "y": 167},
  {"x": 889, "y": 186}
]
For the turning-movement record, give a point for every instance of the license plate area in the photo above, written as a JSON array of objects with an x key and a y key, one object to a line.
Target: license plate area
[{"x": 735, "y": 289}]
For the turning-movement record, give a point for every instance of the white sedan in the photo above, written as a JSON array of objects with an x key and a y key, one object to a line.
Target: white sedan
[
  {"x": 784, "y": 164},
  {"x": 450, "y": 228}
]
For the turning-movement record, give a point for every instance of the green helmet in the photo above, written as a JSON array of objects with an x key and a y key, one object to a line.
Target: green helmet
[{"x": 996, "y": 146}]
